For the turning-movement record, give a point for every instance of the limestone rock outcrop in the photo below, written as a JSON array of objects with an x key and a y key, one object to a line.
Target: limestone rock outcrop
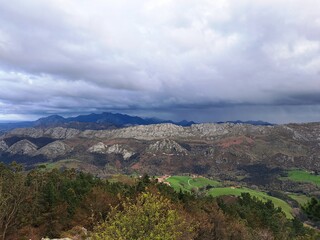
[
  {"x": 54, "y": 149},
  {"x": 3, "y": 146},
  {"x": 118, "y": 149},
  {"x": 23, "y": 147},
  {"x": 100, "y": 147},
  {"x": 167, "y": 146}
]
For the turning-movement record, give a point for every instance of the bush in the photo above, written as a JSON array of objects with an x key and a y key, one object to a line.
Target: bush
[{"x": 151, "y": 217}]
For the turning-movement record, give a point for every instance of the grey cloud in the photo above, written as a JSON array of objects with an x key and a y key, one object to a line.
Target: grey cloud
[{"x": 166, "y": 57}]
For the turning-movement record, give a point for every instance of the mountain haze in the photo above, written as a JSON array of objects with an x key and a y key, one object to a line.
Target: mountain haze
[
  {"x": 94, "y": 121},
  {"x": 102, "y": 121}
]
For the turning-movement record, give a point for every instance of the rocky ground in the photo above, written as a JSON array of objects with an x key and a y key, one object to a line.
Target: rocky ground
[{"x": 211, "y": 149}]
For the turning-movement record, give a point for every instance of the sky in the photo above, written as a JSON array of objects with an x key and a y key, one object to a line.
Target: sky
[{"x": 200, "y": 60}]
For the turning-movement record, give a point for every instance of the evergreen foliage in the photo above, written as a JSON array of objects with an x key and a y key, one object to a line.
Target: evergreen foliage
[
  {"x": 42, "y": 203},
  {"x": 312, "y": 209}
]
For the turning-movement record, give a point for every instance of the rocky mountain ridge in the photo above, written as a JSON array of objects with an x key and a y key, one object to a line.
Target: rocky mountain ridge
[
  {"x": 168, "y": 148},
  {"x": 148, "y": 132},
  {"x": 54, "y": 150},
  {"x": 23, "y": 147},
  {"x": 26, "y": 147}
]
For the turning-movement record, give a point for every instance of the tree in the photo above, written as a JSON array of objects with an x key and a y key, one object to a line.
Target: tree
[
  {"x": 12, "y": 196},
  {"x": 151, "y": 217},
  {"x": 312, "y": 209}
]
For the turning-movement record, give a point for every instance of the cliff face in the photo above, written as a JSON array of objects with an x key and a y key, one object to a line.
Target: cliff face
[{"x": 168, "y": 148}]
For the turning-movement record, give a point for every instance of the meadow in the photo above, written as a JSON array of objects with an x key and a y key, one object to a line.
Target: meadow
[
  {"x": 187, "y": 183},
  {"x": 301, "y": 199},
  {"x": 303, "y": 176}
]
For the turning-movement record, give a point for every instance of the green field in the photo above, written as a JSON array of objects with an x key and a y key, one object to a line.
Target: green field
[
  {"x": 216, "y": 192},
  {"x": 303, "y": 176},
  {"x": 301, "y": 199},
  {"x": 186, "y": 183}
]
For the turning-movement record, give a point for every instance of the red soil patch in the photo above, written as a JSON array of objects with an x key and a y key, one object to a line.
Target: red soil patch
[
  {"x": 225, "y": 143},
  {"x": 136, "y": 166}
]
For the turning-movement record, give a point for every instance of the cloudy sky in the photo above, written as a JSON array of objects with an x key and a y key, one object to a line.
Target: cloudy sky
[{"x": 199, "y": 60}]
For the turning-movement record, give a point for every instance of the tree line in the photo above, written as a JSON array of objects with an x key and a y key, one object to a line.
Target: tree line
[{"x": 68, "y": 203}]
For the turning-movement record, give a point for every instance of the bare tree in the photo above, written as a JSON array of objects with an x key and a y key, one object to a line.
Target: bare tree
[{"x": 12, "y": 195}]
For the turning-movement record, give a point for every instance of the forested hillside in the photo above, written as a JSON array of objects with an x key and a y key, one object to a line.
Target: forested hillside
[{"x": 42, "y": 203}]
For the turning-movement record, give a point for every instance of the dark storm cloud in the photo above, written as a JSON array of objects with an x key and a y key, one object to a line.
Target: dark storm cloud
[{"x": 209, "y": 60}]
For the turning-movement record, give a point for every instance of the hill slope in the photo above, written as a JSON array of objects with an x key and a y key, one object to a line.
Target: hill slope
[{"x": 172, "y": 149}]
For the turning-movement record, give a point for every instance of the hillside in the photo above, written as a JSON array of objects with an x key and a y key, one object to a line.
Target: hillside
[
  {"x": 212, "y": 149},
  {"x": 75, "y": 205},
  {"x": 279, "y": 163}
]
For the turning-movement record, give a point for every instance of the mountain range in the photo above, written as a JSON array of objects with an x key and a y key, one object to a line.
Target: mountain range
[
  {"x": 105, "y": 120},
  {"x": 168, "y": 148}
]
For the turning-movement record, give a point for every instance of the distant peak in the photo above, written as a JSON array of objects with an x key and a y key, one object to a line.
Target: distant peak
[
  {"x": 52, "y": 119},
  {"x": 54, "y": 116}
]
